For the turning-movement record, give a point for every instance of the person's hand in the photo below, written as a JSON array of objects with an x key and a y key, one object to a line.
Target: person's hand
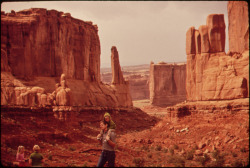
[
  {"x": 107, "y": 138},
  {"x": 101, "y": 132},
  {"x": 99, "y": 137}
]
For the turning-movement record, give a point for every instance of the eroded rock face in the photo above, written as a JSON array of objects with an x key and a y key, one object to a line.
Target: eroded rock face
[
  {"x": 117, "y": 76},
  {"x": 238, "y": 27},
  {"x": 120, "y": 86},
  {"x": 211, "y": 74},
  {"x": 4, "y": 62},
  {"x": 41, "y": 42},
  {"x": 167, "y": 84}
]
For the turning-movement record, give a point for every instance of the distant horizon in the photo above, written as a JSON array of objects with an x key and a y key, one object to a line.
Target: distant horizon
[{"x": 142, "y": 31}]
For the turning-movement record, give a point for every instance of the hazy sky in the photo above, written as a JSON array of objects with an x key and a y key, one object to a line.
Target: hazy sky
[{"x": 142, "y": 31}]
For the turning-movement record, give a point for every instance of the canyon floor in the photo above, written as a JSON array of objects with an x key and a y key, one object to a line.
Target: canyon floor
[{"x": 145, "y": 138}]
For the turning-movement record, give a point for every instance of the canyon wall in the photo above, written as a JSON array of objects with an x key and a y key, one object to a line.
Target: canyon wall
[
  {"x": 38, "y": 45},
  {"x": 167, "y": 84},
  {"x": 238, "y": 28},
  {"x": 211, "y": 73},
  {"x": 42, "y": 42}
]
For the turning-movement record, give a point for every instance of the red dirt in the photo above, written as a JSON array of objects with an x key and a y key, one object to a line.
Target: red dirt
[{"x": 142, "y": 139}]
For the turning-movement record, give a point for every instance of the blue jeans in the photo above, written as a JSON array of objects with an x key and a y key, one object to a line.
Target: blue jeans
[{"x": 107, "y": 156}]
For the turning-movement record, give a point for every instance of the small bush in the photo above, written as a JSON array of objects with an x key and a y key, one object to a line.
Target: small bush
[
  {"x": 158, "y": 148},
  {"x": 72, "y": 148},
  {"x": 149, "y": 155},
  {"x": 139, "y": 162},
  {"x": 203, "y": 159},
  {"x": 243, "y": 150},
  {"x": 176, "y": 146},
  {"x": 71, "y": 165},
  {"x": 189, "y": 155},
  {"x": 171, "y": 151},
  {"x": 215, "y": 154},
  {"x": 195, "y": 147},
  {"x": 234, "y": 154},
  {"x": 146, "y": 148},
  {"x": 237, "y": 163},
  {"x": 50, "y": 157},
  {"x": 165, "y": 150},
  {"x": 177, "y": 161},
  {"x": 85, "y": 164}
]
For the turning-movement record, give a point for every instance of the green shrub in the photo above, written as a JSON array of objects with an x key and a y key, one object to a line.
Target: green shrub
[
  {"x": 234, "y": 154},
  {"x": 72, "y": 148},
  {"x": 243, "y": 150},
  {"x": 189, "y": 155},
  {"x": 158, "y": 148},
  {"x": 149, "y": 155},
  {"x": 50, "y": 157},
  {"x": 171, "y": 151},
  {"x": 85, "y": 164},
  {"x": 176, "y": 146},
  {"x": 165, "y": 150},
  {"x": 237, "y": 163},
  {"x": 177, "y": 161},
  {"x": 195, "y": 147},
  {"x": 203, "y": 159},
  {"x": 220, "y": 160},
  {"x": 146, "y": 148},
  {"x": 215, "y": 154},
  {"x": 139, "y": 162}
]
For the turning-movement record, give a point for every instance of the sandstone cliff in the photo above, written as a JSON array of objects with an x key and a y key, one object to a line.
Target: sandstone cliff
[
  {"x": 211, "y": 74},
  {"x": 38, "y": 45},
  {"x": 167, "y": 84},
  {"x": 42, "y": 42},
  {"x": 238, "y": 27}
]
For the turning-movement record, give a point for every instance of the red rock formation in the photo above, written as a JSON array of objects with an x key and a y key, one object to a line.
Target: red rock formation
[
  {"x": 4, "y": 62},
  {"x": 42, "y": 42},
  {"x": 238, "y": 27},
  {"x": 216, "y": 32},
  {"x": 167, "y": 84},
  {"x": 211, "y": 74},
  {"x": 121, "y": 87},
  {"x": 117, "y": 76},
  {"x": 138, "y": 77}
]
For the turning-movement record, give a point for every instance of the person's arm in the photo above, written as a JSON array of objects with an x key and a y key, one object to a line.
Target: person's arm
[
  {"x": 112, "y": 144},
  {"x": 30, "y": 161}
]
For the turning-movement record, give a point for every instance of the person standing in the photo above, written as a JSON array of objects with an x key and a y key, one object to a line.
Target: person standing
[
  {"x": 20, "y": 156},
  {"x": 108, "y": 146},
  {"x": 36, "y": 158}
]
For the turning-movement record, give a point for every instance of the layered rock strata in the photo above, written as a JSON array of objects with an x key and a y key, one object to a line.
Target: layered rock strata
[
  {"x": 238, "y": 28},
  {"x": 38, "y": 46},
  {"x": 167, "y": 84},
  {"x": 207, "y": 108},
  {"x": 211, "y": 74},
  {"x": 118, "y": 83},
  {"x": 42, "y": 42}
]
